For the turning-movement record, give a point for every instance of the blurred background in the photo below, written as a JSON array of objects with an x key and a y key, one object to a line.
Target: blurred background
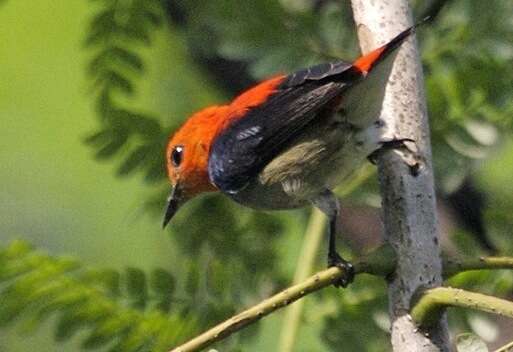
[{"x": 92, "y": 89}]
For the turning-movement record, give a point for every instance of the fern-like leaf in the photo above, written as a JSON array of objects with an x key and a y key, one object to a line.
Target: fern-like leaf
[
  {"x": 128, "y": 312},
  {"x": 117, "y": 33}
]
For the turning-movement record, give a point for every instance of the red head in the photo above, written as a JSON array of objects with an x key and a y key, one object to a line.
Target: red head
[
  {"x": 189, "y": 148},
  {"x": 187, "y": 157}
]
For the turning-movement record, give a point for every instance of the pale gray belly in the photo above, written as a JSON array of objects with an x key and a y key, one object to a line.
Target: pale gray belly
[{"x": 321, "y": 159}]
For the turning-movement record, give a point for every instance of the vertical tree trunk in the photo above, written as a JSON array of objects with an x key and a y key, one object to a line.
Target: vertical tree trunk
[{"x": 408, "y": 200}]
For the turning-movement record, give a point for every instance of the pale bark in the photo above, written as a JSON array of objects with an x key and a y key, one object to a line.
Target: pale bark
[{"x": 408, "y": 198}]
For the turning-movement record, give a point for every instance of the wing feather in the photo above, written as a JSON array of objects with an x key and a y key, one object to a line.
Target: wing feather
[
  {"x": 241, "y": 151},
  {"x": 317, "y": 72},
  {"x": 250, "y": 142}
]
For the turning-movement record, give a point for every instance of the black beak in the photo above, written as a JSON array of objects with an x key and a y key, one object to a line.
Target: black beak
[{"x": 173, "y": 203}]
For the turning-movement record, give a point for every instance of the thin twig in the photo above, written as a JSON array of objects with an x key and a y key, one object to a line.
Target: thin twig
[
  {"x": 428, "y": 308},
  {"x": 452, "y": 266},
  {"x": 380, "y": 262},
  {"x": 506, "y": 348},
  {"x": 255, "y": 313}
]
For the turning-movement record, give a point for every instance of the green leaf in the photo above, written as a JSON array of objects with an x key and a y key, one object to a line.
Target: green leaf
[
  {"x": 116, "y": 32},
  {"x": 113, "y": 57},
  {"x": 107, "y": 279},
  {"x": 193, "y": 278},
  {"x": 150, "y": 17},
  {"x": 15, "y": 249},
  {"x": 137, "y": 287},
  {"x": 34, "y": 285},
  {"x": 67, "y": 326},
  {"x": 103, "y": 333},
  {"x": 155, "y": 172},
  {"x": 114, "y": 80},
  {"x": 146, "y": 126},
  {"x": 62, "y": 302},
  {"x": 163, "y": 286},
  {"x": 11, "y": 268},
  {"x": 91, "y": 300},
  {"x": 98, "y": 138},
  {"x": 112, "y": 147},
  {"x": 135, "y": 159}
]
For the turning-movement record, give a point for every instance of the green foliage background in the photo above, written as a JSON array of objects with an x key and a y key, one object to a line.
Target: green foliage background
[{"x": 90, "y": 92}]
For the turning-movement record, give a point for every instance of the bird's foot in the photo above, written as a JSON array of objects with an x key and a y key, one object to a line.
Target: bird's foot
[
  {"x": 334, "y": 259},
  {"x": 410, "y": 155},
  {"x": 394, "y": 143}
]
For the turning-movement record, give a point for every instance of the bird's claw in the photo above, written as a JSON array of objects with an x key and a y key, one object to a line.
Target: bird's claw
[
  {"x": 394, "y": 143},
  {"x": 410, "y": 157},
  {"x": 334, "y": 259}
]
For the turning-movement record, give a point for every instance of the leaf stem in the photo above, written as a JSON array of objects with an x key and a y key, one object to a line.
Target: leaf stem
[{"x": 431, "y": 303}]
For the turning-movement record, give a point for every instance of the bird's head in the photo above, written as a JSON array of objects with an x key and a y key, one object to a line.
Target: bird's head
[
  {"x": 187, "y": 158},
  {"x": 188, "y": 149}
]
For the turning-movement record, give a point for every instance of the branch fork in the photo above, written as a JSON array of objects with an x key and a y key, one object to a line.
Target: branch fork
[{"x": 426, "y": 307}]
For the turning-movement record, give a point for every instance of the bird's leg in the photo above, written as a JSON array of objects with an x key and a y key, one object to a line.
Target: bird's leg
[
  {"x": 329, "y": 204},
  {"x": 334, "y": 259}
]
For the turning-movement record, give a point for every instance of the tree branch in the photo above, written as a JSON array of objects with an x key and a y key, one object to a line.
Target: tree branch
[
  {"x": 408, "y": 198},
  {"x": 316, "y": 282},
  {"x": 506, "y": 348},
  {"x": 380, "y": 262},
  {"x": 453, "y": 266},
  {"x": 428, "y": 308}
]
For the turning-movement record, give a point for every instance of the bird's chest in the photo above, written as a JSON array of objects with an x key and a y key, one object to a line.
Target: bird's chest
[{"x": 323, "y": 157}]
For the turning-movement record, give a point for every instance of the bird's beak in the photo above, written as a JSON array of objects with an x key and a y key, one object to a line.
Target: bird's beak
[{"x": 174, "y": 201}]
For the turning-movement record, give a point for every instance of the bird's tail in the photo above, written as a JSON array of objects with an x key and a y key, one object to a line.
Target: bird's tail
[
  {"x": 364, "y": 98},
  {"x": 367, "y": 62}
]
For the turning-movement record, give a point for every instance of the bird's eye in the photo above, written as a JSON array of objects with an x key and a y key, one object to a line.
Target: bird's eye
[{"x": 177, "y": 156}]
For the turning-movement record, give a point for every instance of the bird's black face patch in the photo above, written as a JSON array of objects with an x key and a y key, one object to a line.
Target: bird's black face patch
[{"x": 177, "y": 156}]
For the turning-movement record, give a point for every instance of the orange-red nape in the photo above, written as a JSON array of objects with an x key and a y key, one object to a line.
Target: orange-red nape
[{"x": 198, "y": 133}]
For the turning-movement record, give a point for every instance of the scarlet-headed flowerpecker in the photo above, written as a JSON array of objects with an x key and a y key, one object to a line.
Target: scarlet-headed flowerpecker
[{"x": 288, "y": 141}]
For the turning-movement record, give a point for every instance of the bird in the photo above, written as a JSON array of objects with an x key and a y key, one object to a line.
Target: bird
[{"x": 288, "y": 141}]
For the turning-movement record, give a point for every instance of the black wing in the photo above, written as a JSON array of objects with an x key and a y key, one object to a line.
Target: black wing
[
  {"x": 316, "y": 73},
  {"x": 250, "y": 143}
]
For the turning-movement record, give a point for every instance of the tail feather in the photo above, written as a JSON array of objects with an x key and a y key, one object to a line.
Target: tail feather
[
  {"x": 364, "y": 99},
  {"x": 368, "y": 61}
]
